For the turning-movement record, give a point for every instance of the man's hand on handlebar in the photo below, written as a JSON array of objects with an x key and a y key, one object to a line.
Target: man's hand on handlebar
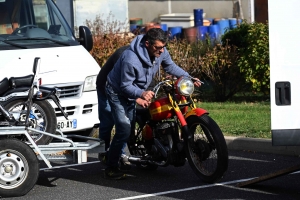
[
  {"x": 197, "y": 82},
  {"x": 147, "y": 95}
]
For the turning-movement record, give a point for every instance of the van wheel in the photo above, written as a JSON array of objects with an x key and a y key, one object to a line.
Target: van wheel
[{"x": 19, "y": 168}]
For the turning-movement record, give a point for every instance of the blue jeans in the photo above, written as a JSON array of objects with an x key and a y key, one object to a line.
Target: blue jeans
[
  {"x": 106, "y": 120},
  {"x": 123, "y": 112}
]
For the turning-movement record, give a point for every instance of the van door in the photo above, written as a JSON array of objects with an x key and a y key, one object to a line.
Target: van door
[{"x": 284, "y": 37}]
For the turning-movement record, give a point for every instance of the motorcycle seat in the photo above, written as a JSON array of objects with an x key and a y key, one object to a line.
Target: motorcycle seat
[
  {"x": 143, "y": 113},
  {"x": 24, "y": 81},
  {"x": 4, "y": 86}
]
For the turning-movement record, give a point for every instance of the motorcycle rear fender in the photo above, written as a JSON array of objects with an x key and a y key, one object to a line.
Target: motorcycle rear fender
[{"x": 196, "y": 111}]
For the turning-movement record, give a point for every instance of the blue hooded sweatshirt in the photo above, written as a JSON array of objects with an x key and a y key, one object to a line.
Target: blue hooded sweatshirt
[{"x": 134, "y": 71}]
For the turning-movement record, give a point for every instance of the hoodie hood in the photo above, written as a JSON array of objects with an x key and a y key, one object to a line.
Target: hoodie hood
[{"x": 138, "y": 46}]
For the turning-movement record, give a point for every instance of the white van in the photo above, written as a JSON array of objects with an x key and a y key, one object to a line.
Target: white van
[
  {"x": 36, "y": 28},
  {"x": 284, "y": 40}
]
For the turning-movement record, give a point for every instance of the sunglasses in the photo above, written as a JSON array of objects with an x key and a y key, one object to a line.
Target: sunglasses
[{"x": 159, "y": 48}]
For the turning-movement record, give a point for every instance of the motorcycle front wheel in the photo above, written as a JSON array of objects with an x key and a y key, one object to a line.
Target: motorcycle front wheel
[
  {"x": 42, "y": 118},
  {"x": 207, "y": 153}
]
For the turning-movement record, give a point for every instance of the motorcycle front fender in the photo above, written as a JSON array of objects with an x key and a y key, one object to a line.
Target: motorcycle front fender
[{"x": 196, "y": 111}]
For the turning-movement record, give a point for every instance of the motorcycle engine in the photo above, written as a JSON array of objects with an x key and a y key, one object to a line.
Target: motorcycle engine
[{"x": 163, "y": 141}]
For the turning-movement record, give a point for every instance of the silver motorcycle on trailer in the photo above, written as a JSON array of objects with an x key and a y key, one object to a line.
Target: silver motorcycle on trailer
[
  {"x": 19, "y": 166},
  {"x": 24, "y": 102}
]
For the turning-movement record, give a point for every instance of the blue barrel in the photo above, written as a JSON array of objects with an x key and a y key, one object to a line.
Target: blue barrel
[
  {"x": 224, "y": 25},
  {"x": 233, "y": 22},
  {"x": 175, "y": 32},
  {"x": 164, "y": 27},
  {"x": 215, "y": 20},
  {"x": 214, "y": 31},
  {"x": 202, "y": 31},
  {"x": 133, "y": 27},
  {"x": 198, "y": 17}
]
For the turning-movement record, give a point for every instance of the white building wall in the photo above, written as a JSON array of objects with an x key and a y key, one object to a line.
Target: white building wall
[
  {"x": 89, "y": 9},
  {"x": 150, "y": 10}
]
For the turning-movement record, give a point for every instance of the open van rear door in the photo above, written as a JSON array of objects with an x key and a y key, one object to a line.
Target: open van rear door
[{"x": 284, "y": 35}]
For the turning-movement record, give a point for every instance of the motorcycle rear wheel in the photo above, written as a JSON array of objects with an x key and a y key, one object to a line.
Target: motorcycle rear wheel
[
  {"x": 208, "y": 155},
  {"x": 44, "y": 119}
]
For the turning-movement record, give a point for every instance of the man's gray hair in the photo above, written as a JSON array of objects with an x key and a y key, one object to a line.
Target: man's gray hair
[{"x": 156, "y": 34}]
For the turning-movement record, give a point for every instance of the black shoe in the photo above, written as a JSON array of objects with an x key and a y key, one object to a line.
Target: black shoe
[
  {"x": 102, "y": 158},
  {"x": 113, "y": 173}
]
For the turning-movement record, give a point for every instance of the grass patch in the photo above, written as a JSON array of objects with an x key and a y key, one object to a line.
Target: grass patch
[
  {"x": 241, "y": 119},
  {"x": 245, "y": 119}
]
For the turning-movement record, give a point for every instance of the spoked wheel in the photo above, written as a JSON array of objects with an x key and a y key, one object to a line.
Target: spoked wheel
[
  {"x": 208, "y": 154},
  {"x": 42, "y": 118},
  {"x": 136, "y": 146},
  {"x": 19, "y": 168}
]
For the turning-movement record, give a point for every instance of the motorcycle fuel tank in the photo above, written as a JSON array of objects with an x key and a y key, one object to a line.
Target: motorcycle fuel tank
[{"x": 162, "y": 109}]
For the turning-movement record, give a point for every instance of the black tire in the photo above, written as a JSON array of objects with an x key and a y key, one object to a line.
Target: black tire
[
  {"x": 44, "y": 119},
  {"x": 19, "y": 168},
  {"x": 208, "y": 156},
  {"x": 136, "y": 146}
]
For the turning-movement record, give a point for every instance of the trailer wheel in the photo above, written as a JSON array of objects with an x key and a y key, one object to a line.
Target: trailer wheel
[{"x": 19, "y": 168}]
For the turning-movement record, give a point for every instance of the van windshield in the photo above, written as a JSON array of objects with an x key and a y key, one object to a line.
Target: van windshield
[{"x": 33, "y": 24}]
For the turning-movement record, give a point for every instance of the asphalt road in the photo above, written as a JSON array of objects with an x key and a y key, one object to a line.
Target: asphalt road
[{"x": 87, "y": 182}]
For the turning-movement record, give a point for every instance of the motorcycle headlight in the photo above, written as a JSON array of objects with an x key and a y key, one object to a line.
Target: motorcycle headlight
[
  {"x": 185, "y": 86},
  {"x": 90, "y": 83}
]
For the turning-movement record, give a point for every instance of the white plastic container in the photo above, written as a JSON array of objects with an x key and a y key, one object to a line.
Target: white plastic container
[{"x": 184, "y": 20}]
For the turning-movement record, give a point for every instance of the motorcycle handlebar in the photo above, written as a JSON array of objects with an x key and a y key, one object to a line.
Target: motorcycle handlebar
[{"x": 171, "y": 79}]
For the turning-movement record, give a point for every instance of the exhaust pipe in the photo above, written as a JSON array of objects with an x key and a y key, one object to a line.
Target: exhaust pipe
[
  {"x": 139, "y": 160},
  {"x": 136, "y": 160}
]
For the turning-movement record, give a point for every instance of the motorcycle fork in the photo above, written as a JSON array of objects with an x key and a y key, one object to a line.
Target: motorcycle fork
[{"x": 187, "y": 135}]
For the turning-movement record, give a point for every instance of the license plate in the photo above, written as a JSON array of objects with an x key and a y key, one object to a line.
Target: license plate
[{"x": 67, "y": 124}]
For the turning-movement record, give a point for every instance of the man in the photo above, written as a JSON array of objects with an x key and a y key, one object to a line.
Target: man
[
  {"x": 128, "y": 81},
  {"x": 104, "y": 110}
]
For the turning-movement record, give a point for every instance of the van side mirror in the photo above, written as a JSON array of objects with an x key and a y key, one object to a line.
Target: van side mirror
[{"x": 85, "y": 38}]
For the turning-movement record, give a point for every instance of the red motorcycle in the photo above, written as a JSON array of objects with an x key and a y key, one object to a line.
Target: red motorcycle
[{"x": 172, "y": 130}]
